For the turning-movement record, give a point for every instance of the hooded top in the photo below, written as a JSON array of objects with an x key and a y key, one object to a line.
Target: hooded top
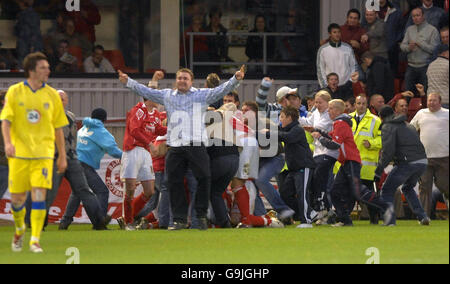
[
  {"x": 298, "y": 154},
  {"x": 94, "y": 141},
  {"x": 341, "y": 137},
  {"x": 401, "y": 143}
]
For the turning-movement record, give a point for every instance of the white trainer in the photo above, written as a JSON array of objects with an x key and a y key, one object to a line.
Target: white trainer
[
  {"x": 276, "y": 223},
  {"x": 36, "y": 248},
  {"x": 17, "y": 243},
  {"x": 304, "y": 226}
]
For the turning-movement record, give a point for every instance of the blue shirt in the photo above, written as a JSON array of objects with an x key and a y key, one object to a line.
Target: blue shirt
[
  {"x": 93, "y": 141},
  {"x": 185, "y": 111}
]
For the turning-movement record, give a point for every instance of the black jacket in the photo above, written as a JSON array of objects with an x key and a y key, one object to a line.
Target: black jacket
[
  {"x": 380, "y": 79},
  {"x": 343, "y": 92},
  {"x": 298, "y": 154},
  {"x": 401, "y": 143}
]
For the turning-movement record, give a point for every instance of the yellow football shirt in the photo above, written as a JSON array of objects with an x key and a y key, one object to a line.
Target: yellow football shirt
[{"x": 34, "y": 116}]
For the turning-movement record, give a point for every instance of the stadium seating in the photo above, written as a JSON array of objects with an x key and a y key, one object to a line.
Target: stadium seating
[
  {"x": 116, "y": 59},
  {"x": 78, "y": 53}
]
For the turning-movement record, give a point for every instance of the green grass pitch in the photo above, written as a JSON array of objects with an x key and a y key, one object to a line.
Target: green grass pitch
[{"x": 408, "y": 242}]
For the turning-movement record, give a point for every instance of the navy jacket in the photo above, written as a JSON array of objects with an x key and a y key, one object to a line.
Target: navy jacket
[{"x": 298, "y": 154}]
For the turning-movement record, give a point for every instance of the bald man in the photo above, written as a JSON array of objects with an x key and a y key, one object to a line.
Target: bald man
[
  {"x": 376, "y": 103},
  {"x": 401, "y": 107}
]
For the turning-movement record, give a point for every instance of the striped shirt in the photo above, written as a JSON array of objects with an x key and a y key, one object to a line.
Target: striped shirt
[{"x": 185, "y": 111}]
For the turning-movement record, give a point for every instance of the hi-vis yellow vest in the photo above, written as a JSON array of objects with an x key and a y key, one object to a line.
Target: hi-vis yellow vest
[{"x": 368, "y": 129}]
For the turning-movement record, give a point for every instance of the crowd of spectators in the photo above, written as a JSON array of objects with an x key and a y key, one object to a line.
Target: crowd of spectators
[{"x": 70, "y": 43}]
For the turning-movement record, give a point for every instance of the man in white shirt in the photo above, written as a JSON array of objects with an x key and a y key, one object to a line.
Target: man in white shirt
[
  {"x": 335, "y": 57},
  {"x": 433, "y": 124},
  {"x": 96, "y": 63}
]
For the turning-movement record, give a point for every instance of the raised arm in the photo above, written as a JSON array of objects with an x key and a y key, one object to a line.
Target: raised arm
[
  {"x": 213, "y": 95},
  {"x": 154, "y": 95}
]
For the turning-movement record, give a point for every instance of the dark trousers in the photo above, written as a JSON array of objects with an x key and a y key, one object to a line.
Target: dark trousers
[
  {"x": 223, "y": 169},
  {"x": 324, "y": 166},
  {"x": 178, "y": 160},
  {"x": 347, "y": 188},
  {"x": 3, "y": 180},
  {"x": 295, "y": 193},
  {"x": 415, "y": 76},
  {"x": 407, "y": 176},
  {"x": 97, "y": 185}
]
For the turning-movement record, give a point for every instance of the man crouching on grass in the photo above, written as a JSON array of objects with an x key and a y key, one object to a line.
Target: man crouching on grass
[{"x": 347, "y": 186}]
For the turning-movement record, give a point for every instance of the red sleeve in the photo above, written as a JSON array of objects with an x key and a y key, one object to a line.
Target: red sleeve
[
  {"x": 358, "y": 89},
  {"x": 394, "y": 100},
  {"x": 339, "y": 132},
  {"x": 137, "y": 130},
  {"x": 160, "y": 130}
]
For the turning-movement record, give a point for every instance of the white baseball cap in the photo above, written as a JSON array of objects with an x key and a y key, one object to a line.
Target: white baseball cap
[{"x": 284, "y": 91}]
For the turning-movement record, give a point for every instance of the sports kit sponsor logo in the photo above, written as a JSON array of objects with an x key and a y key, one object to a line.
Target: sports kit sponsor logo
[
  {"x": 112, "y": 178},
  {"x": 33, "y": 116}
]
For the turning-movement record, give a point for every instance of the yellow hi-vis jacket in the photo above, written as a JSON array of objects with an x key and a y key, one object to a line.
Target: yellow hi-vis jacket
[{"x": 368, "y": 129}]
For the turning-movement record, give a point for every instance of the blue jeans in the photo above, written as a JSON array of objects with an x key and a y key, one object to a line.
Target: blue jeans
[
  {"x": 223, "y": 169},
  {"x": 160, "y": 200},
  {"x": 268, "y": 168},
  {"x": 192, "y": 186},
  {"x": 408, "y": 175},
  {"x": 164, "y": 210},
  {"x": 3, "y": 180},
  {"x": 97, "y": 186}
]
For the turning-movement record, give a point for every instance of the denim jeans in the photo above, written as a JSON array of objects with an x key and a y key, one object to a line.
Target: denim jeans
[
  {"x": 223, "y": 169},
  {"x": 97, "y": 186},
  {"x": 260, "y": 209},
  {"x": 3, "y": 180},
  {"x": 407, "y": 175},
  {"x": 192, "y": 186},
  {"x": 164, "y": 210},
  {"x": 268, "y": 168}
]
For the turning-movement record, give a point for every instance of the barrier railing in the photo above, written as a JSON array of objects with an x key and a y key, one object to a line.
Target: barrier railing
[{"x": 264, "y": 63}]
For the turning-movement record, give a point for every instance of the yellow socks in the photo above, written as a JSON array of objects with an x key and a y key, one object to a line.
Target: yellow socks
[
  {"x": 19, "y": 219},
  {"x": 37, "y": 219}
]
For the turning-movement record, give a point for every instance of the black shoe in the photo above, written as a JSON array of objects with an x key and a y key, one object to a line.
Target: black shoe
[
  {"x": 202, "y": 224},
  {"x": 101, "y": 227},
  {"x": 226, "y": 225},
  {"x": 178, "y": 226},
  {"x": 63, "y": 226},
  {"x": 108, "y": 219}
]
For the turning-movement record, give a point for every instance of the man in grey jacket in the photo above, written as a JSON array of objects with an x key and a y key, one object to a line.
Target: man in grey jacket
[
  {"x": 376, "y": 35},
  {"x": 419, "y": 43},
  {"x": 401, "y": 143}
]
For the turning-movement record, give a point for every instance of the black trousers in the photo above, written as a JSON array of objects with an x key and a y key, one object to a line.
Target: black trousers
[
  {"x": 347, "y": 188},
  {"x": 295, "y": 193},
  {"x": 178, "y": 160}
]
